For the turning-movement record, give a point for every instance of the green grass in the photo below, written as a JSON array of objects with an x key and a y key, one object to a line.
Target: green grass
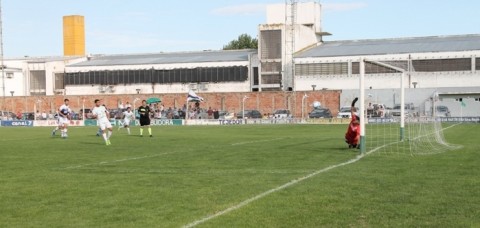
[{"x": 184, "y": 174}]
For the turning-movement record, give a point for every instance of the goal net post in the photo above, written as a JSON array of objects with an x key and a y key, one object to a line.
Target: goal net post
[{"x": 403, "y": 126}]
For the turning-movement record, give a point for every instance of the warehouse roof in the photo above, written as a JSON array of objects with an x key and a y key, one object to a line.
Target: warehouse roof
[
  {"x": 394, "y": 46},
  {"x": 167, "y": 58}
]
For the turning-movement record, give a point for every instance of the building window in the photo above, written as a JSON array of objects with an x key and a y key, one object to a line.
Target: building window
[
  {"x": 255, "y": 76},
  {"x": 59, "y": 81},
  {"x": 441, "y": 65},
  {"x": 271, "y": 79},
  {"x": 196, "y": 75},
  {"x": 313, "y": 69},
  {"x": 9, "y": 74},
  {"x": 37, "y": 82},
  {"x": 371, "y": 68},
  {"x": 271, "y": 67},
  {"x": 477, "y": 61},
  {"x": 271, "y": 44}
]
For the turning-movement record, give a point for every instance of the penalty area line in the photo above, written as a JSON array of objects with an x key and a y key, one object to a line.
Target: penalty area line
[
  {"x": 256, "y": 141},
  {"x": 261, "y": 195},
  {"x": 116, "y": 161}
]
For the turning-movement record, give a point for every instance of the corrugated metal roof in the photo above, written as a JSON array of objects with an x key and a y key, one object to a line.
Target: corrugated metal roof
[
  {"x": 168, "y": 58},
  {"x": 394, "y": 46},
  {"x": 43, "y": 59}
]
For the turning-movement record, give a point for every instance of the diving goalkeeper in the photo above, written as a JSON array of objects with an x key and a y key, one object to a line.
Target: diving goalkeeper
[{"x": 352, "y": 137}]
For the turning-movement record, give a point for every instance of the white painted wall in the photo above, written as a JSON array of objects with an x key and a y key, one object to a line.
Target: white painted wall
[
  {"x": 420, "y": 97},
  {"x": 73, "y": 69},
  {"x": 307, "y": 13},
  {"x": 386, "y": 81},
  {"x": 158, "y": 88},
  {"x": 18, "y": 81},
  {"x": 21, "y": 68}
]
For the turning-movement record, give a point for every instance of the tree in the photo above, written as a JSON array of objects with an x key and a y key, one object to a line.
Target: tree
[{"x": 244, "y": 41}]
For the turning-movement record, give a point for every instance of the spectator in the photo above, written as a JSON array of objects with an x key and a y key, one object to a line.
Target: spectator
[
  {"x": 176, "y": 114},
  {"x": 210, "y": 113},
  {"x": 192, "y": 114},
  {"x": 38, "y": 115},
  {"x": 120, "y": 106},
  {"x": 158, "y": 114},
  {"x": 44, "y": 115},
  {"x": 216, "y": 114},
  {"x": 381, "y": 111},
  {"x": 370, "y": 110}
]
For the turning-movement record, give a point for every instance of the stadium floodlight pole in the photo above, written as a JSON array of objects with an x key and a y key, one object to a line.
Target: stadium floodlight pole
[
  {"x": 135, "y": 101},
  {"x": 402, "y": 93},
  {"x": 1, "y": 56},
  {"x": 187, "y": 115},
  {"x": 303, "y": 106},
  {"x": 83, "y": 108},
  {"x": 243, "y": 107},
  {"x": 362, "y": 106},
  {"x": 35, "y": 108}
]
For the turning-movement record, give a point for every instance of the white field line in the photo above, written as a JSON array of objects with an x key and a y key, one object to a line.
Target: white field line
[
  {"x": 292, "y": 182},
  {"x": 206, "y": 172},
  {"x": 117, "y": 161},
  {"x": 259, "y": 196},
  {"x": 22, "y": 139},
  {"x": 257, "y": 141},
  {"x": 156, "y": 155}
]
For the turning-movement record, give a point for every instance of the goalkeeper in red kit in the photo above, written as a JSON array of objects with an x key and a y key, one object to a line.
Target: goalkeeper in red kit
[{"x": 352, "y": 137}]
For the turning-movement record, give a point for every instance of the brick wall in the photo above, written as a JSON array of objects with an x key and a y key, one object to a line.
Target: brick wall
[{"x": 265, "y": 102}]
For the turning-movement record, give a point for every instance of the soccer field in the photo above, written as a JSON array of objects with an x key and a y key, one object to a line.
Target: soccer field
[{"x": 232, "y": 176}]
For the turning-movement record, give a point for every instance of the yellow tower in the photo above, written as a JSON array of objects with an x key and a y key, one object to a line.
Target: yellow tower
[{"x": 73, "y": 35}]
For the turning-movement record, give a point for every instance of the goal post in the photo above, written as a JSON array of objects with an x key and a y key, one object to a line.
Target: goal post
[
  {"x": 404, "y": 128},
  {"x": 402, "y": 92},
  {"x": 362, "y": 107}
]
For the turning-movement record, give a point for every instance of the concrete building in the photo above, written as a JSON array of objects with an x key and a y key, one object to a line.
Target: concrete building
[
  {"x": 34, "y": 76},
  {"x": 433, "y": 62},
  {"x": 207, "y": 71},
  {"x": 290, "y": 28}
]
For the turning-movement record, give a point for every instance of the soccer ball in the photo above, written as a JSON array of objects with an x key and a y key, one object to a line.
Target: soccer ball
[{"x": 317, "y": 104}]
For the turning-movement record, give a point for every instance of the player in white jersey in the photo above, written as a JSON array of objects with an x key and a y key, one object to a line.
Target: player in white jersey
[
  {"x": 63, "y": 119},
  {"x": 128, "y": 116},
  {"x": 101, "y": 114}
]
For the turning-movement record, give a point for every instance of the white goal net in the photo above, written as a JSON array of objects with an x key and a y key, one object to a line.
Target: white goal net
[{"x": 420, "y": 133}]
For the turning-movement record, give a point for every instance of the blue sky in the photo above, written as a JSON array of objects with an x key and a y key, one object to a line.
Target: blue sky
[{"x": 34, "y": 27}]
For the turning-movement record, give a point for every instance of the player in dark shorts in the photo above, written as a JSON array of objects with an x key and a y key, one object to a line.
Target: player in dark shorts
[{"x": 144, "y": 112}]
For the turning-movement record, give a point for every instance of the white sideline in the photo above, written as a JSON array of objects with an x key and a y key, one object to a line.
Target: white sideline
[{"x": 261, "y": 195}]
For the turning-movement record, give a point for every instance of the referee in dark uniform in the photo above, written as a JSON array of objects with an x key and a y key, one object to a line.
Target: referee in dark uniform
[{"x": 144, "y": 112}]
